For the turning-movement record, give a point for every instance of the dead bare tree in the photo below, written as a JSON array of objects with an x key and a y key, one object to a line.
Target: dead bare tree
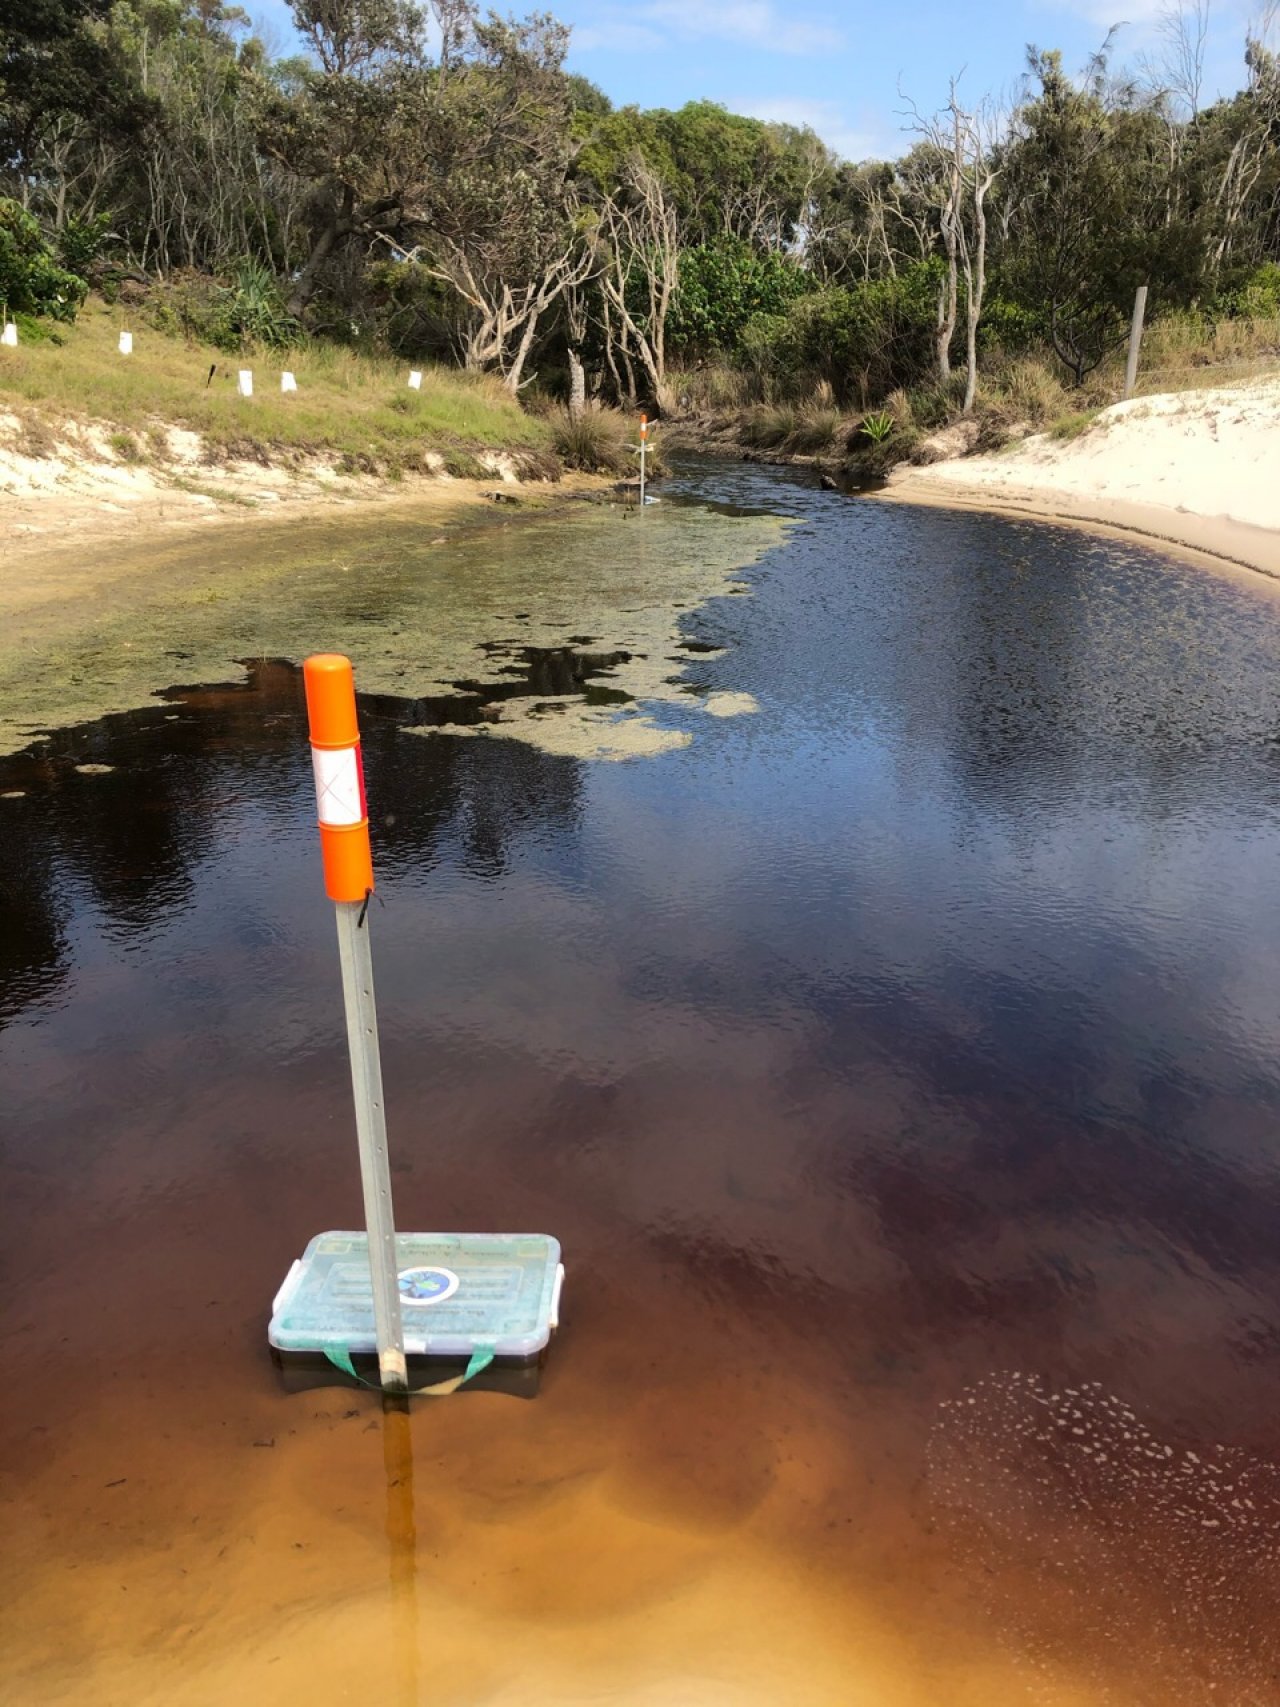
[
  {"x": 974, "y": 135},
  {"x": 504, "y": 315},
  {"x": 1177, "y": 67},
  {"x": 1254, "y": 148},
  {"x": 638, "y": 240},
  {"x": 576, "y": 321},
  {"x": 962, "y": 141}
]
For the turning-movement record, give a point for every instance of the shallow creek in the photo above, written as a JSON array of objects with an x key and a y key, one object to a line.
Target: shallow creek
[{"x": 850, "y": 929}]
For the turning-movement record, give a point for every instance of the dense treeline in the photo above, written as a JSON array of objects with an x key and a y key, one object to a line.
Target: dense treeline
[{"x": 434, "y": 183}]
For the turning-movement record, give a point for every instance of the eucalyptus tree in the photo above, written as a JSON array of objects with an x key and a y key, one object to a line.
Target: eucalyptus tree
[
  {"x": 355, "y": 131},
  {"x": 1085, "y": 163},
  {"x": 444, "y": 146},
  {"x": 65, "y": 85},
  {"x": 1246, "y": 181}
]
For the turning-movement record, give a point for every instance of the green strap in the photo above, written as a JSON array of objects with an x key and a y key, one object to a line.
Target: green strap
[
  {"x": 341, "y": 1359},
  {"x": 480, "y": 1360}
]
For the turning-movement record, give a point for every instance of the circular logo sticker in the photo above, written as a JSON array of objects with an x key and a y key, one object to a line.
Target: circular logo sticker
[{"x": 427, "y": 1285}]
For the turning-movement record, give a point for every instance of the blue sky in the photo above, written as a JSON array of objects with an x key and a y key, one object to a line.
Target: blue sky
[{"x": 837, "y": 67}]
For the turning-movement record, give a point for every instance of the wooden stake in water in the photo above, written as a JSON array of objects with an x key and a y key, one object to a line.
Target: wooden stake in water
[{"x": 348, "y": 881}]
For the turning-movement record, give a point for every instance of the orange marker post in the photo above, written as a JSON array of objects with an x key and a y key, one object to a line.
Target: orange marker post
[
  {"x": 644, "y": 445},
  {"x": 348, "y": 881}
]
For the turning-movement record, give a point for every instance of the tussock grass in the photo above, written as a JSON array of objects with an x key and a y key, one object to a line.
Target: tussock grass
[
  {"x": 797, "y": 431},
  {"x": 1188, "y": 339},
  {"x": 713, "y": 389},
  {"x": 768, "y": 426},
  {"x": 1030, "y": 389},
  {"x": 346, "y": 405},
  {"x": 816, "y": 428},
  {"x": 599, "y": 441},
  {"x": 127, "y": 446}
]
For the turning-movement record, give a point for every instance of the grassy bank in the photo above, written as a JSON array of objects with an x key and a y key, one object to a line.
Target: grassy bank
[
  {"x": 356, "y": 411},
  {"x": 1017, "y": 395}
]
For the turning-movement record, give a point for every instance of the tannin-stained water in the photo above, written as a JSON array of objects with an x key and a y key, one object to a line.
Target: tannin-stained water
[{"x": 897, "y": 1064}]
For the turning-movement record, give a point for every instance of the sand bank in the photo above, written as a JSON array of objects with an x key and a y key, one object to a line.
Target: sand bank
[
  {"x": 1195, "y": 470},
  {"x": 62, "y": 495}
]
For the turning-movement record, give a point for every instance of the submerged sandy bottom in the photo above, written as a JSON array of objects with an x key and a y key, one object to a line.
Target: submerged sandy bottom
[
  {"x": 723, "y": 1494},
  {"x": 701, "y": 1506}
]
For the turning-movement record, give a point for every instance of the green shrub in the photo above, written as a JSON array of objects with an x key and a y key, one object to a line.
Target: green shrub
[
  {"x": 877, "y": 427},
  {"x": 31, "y": 280},
  {"x": 248, "y": 313},
  {"x": 863, "y": 341},
  {"x": 253, "y": 312},
  {"x": 1255, "y": 297},
  {"x": 723, "y": 287},
  {"x": 81, "y": 242},
  {"x": 1009, "y": 326}
]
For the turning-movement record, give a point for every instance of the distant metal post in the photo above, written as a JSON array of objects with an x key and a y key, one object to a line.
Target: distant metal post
[
  {"x": 644, "y": 445},
  {"x": 348, "y": 881},
  {"x": 1135, "y": 340}
]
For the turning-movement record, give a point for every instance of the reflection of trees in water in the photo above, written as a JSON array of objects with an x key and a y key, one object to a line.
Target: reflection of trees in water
[
  {"x": 33, "y": 907},
  {"x": 479, "y": 796},
  {"x": 131, "y": 838}
]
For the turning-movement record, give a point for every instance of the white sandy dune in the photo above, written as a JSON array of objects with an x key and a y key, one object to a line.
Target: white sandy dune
[{"x": 1198, "y": 468}]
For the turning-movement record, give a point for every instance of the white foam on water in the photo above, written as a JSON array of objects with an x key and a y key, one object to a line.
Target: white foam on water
[{"x": 1104, "y": 1549}]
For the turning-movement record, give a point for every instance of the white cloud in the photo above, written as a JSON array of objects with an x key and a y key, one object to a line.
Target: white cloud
[
  {"x": 1131, "y": 14},
  {"x": 1138, "y": 20},
  {"x": 827, "y": 119},
  {"x": 652, "y": 24},
  {"x": 618, "y": 34}
]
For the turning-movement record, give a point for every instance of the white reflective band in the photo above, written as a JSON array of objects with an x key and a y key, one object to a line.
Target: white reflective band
[{"x": 339, "y": 796}]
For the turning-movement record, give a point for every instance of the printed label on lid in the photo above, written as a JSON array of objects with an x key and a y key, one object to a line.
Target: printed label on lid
[{"x": 428, "y": 1285}]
